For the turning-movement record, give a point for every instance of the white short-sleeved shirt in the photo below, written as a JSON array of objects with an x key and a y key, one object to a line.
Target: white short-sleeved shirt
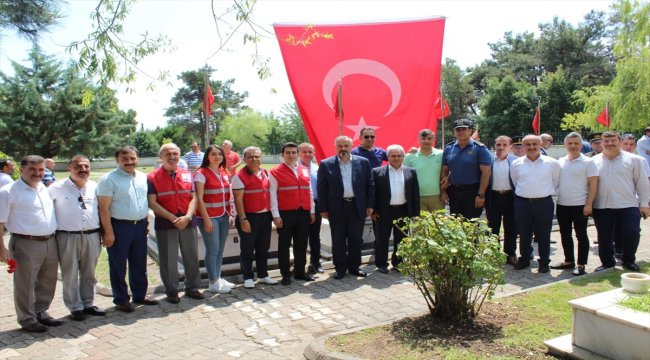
[
  {"x": 5, "y": 179},
  {"x": 574, "y": 184},
  {"x": 25, "y": 210},
  {"x": 623, "y": 182},
  {"x": 71, "y": 213},
  {"x": 535, "y": 179}
]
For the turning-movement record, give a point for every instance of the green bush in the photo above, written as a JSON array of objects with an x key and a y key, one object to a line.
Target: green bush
[{"x": 455, "y": 263}]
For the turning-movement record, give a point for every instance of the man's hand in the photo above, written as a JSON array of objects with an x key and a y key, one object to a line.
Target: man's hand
[
  {"x": 278, "y": 222},
  {"x": 645, "y": 212},
  {"x": 444, "y": 198},
  {"x": 368, "y": 211},
  {"x": 313, "y": 218},
  {"x": 4, "y": 253},
  {"x": 444, "y": 182},
  {"x": 587, "y": 210},
  {"x": 181, "y": 222},
  {"x": 374, "y": 216},
  {"x": 324, "y": 214},
  {"x": 479, "y": 202},
  {"x": 245, "y": 226},
  {"x": 108, "y": 239}
]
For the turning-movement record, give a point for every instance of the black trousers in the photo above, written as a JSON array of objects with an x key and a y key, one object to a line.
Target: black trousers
[
  {"x": 502, "y": 207},
  {"x": 568, "y": 217},
  {"x": 314, "y": 238},
  {"x": 347, "y": 233},
  {"x": 462, "y": 199},
  {"x": 295, "y": 225},
  {"x": 255, "y": 245},
  {"x": 383, "y": 228}
]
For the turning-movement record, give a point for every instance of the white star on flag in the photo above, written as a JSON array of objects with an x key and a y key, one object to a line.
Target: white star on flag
[{"x": 357, "y": 128}]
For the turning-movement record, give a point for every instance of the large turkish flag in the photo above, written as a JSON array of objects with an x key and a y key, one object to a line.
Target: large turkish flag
[{"x": 389, "y": 74}]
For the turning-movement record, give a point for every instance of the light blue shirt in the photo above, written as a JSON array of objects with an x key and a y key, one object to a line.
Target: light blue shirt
[
  {"x": 346, "y": 177},
  {"x": 313, "y": 171},
  {"x": 128, "y": 193}
]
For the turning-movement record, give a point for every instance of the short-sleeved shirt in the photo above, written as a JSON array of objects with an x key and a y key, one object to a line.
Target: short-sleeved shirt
[
  {"x": 428, "y": 168},
  {"x": 231, "y": 159},
  {"x": 25, "y": 210},
  {"x": 5, "y": 179},
  {"x": 76, "y": 208},
  {"x": 128, "y": 193},
  {"x": 193, "y": 159},
  {"x": 464, "y": 163},
  {"x": 375, "y": 155},
  {"x": 574, "y": 185},
  {"x": 537, "y": 178},
  {"x": 48, "y": 177}
]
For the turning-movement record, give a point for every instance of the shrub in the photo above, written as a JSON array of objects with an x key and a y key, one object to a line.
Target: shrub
[{"x": 455, "y": 263}]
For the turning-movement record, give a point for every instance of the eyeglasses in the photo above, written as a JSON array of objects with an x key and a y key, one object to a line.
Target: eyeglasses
[
  {"x": 82, "y": 203},
  {"x": 368, "y": 136}
]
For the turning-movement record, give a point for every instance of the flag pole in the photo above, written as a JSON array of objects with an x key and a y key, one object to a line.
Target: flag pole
[
  {"x": 442, "y": 112},
  {"x": 205, "y": 107},
  {"x": 609, "y": 121},
  {"x": 339, "y": 103},
  {"x": 539, "y": 111}
]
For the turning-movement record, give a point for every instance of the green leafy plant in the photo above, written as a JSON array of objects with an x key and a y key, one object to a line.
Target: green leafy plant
[
  {"x": 638, "y": 303},
  {"x": 454, "y": 262}
]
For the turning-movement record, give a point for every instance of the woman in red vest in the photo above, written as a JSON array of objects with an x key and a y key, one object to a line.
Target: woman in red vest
[{"x": 212, "y": 187}]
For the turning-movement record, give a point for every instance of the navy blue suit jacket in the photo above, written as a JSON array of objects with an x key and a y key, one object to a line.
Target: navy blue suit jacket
[
  {"x": 382, "y": 190},
  {"x": 329, "y": 185}
]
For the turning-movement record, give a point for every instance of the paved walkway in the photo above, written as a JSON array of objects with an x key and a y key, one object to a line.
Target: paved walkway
[{"x": 268, "y": 322}]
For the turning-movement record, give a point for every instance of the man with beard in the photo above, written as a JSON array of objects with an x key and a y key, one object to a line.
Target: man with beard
[
  {"x": 77, "y": 237},
  {"x": 346, "y": 197}
]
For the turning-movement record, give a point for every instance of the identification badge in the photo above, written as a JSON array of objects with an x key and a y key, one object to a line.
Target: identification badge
[
  {"x": 305, "y": 172},
  {"x": 186, "y": 177}
]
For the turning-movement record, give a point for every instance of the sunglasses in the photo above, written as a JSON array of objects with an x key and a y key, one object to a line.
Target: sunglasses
[
  {"x": 369, "y": 136},
  {"x": 82, "y": 203}
]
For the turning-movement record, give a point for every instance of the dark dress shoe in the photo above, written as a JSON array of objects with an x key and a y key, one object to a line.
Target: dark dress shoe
[
  {"x": 95, "y": 311},
  {"x": 521, "y": 264},
  {"x": 632, "y": 267},
  {"x": 78, "y": 315},
  {"x": 603, "y": 267},
  {"x": 359, "y": 273},
  {"x": 382, "y": 269},
  {"x": 126, "y": 307},
  {"x": 49, "y": 321},
  {"x": 195, "y": 294},
  {"x": 147, "y": 301},
  {"x": 563, "y": 266},
  {"x": 35, "y": 328},
  {"x": 511, "y": 260},
  {"x": 339, "y": 275},
  {"x": 304, "y": 277},
  {"x": 285, "y": 280},
  {"x": 173, "y": 299},
  {"x": 543, "y": 269}
]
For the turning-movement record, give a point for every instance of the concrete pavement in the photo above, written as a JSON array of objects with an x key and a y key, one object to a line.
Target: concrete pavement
[{"x": 268, "y": 322}]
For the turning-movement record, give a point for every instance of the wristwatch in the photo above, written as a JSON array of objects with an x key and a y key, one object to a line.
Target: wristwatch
[{"x": 482, "y": 196}]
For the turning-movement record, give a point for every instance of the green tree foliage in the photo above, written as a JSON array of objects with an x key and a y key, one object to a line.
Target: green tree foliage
[
  {"x": 145, "y": 142},
  {"x": 459, "y": 93},
  {"x": 288, "y": 127},
  {"x": 186, "y": 108},
  {"x": 507, "y": 108},
  {"x": 555, "y": 93},
  {"x": 176, "y": 134},
  {"x": 455, "y": 263},
  {"x": 28, "y": 17},
  {"x": 43, "y": 112},
  {"x": 245, "y": 128}
]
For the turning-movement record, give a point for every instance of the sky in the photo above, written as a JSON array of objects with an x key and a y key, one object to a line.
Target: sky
[{"x": 470, "y": 26}]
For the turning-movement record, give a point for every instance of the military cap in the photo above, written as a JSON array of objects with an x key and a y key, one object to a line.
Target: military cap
[
  {"x": 594, "y": 137},
  {"x": 517, "y": 140},
  {"x": 463, "y": 123}
]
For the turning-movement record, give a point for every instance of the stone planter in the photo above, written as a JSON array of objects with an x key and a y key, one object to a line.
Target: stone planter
[{"x": 635, "y": 283}]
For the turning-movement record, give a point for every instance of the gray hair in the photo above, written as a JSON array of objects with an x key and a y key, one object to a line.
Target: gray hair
[
  {"x": 546, "y": 137},
  {"x": 532, "y": 137},
  {"x": 394, "y": 147},
  {"x": 77, "y": 157},
  {"x": 250, "y": 149},
  {"x": 166, "y": 146},
  {"x": 628, "y": 137},
  {"x": 573, "y": 135},
  {"x": 227, "y": 142}
]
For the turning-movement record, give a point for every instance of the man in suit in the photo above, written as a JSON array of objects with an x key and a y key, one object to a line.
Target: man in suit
[
  {"x": 346, "y": 197},
  {"x": 397, "y": 195}
]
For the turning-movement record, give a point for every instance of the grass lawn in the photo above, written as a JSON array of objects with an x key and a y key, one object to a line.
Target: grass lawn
[
  {"x": 103, "y": 277},
  {"x": 508, "y": 328}
]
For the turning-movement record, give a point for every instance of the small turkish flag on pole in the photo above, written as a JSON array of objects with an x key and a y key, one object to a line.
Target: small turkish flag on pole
[
  {"x": 604, "y": 118},
  {"x": 536, "y": 121}
]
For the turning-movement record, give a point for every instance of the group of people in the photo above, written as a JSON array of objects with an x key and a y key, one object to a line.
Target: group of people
[{"x": 67, "y": 221}]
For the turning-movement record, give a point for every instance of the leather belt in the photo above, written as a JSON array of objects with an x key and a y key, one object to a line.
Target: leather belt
[
  {"x": 502, "y": 192},
  {"x": 91, "y": 231},
  {"x": 464, "y": 187},
  {"x": 348, "y": 199},
  {"x": 133, "y": 222},
  {"x": 534, "y": 199},
  {"x": 32, "y": 237}
]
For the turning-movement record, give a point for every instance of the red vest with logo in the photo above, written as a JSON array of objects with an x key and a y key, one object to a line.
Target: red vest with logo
[
  {"x": 256, "y": 190},
  {"x": 293, "y": 192},
  {"x": 174, "y": 194},
  {"x": 216, "y": 193}
]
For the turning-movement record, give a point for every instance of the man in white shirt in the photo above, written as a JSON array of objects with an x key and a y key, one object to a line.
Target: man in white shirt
[
  {"x": 499, "y": 200},
  {"x": 643, "y": 145},
  {"x": 27, "y": 211},
  {"x": 536, "y": 180},
  {"x": 77, "y": 237},
  {"x": 576, "y": 194},
  {"x": 623, "y": 196},
  {"x": 6, "y": 169}
]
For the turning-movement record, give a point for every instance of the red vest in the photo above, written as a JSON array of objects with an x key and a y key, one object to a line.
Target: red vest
[
  {"x": 172, "y": 194},
  {"x": 216, "y": 193},
  {"x": 293, "y": 192},
  {"x": 256, "y": 191}
]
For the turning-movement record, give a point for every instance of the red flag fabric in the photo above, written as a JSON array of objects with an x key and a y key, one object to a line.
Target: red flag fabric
[
  {"x": 604, "y": 118},
  {"x": 536, "y": 122},
  {"x": 441, "y": 111},
  {"x": 389, "y": 72},
  {"x": 475, "y": 135},
  {"x": 208, "y": 100}
]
